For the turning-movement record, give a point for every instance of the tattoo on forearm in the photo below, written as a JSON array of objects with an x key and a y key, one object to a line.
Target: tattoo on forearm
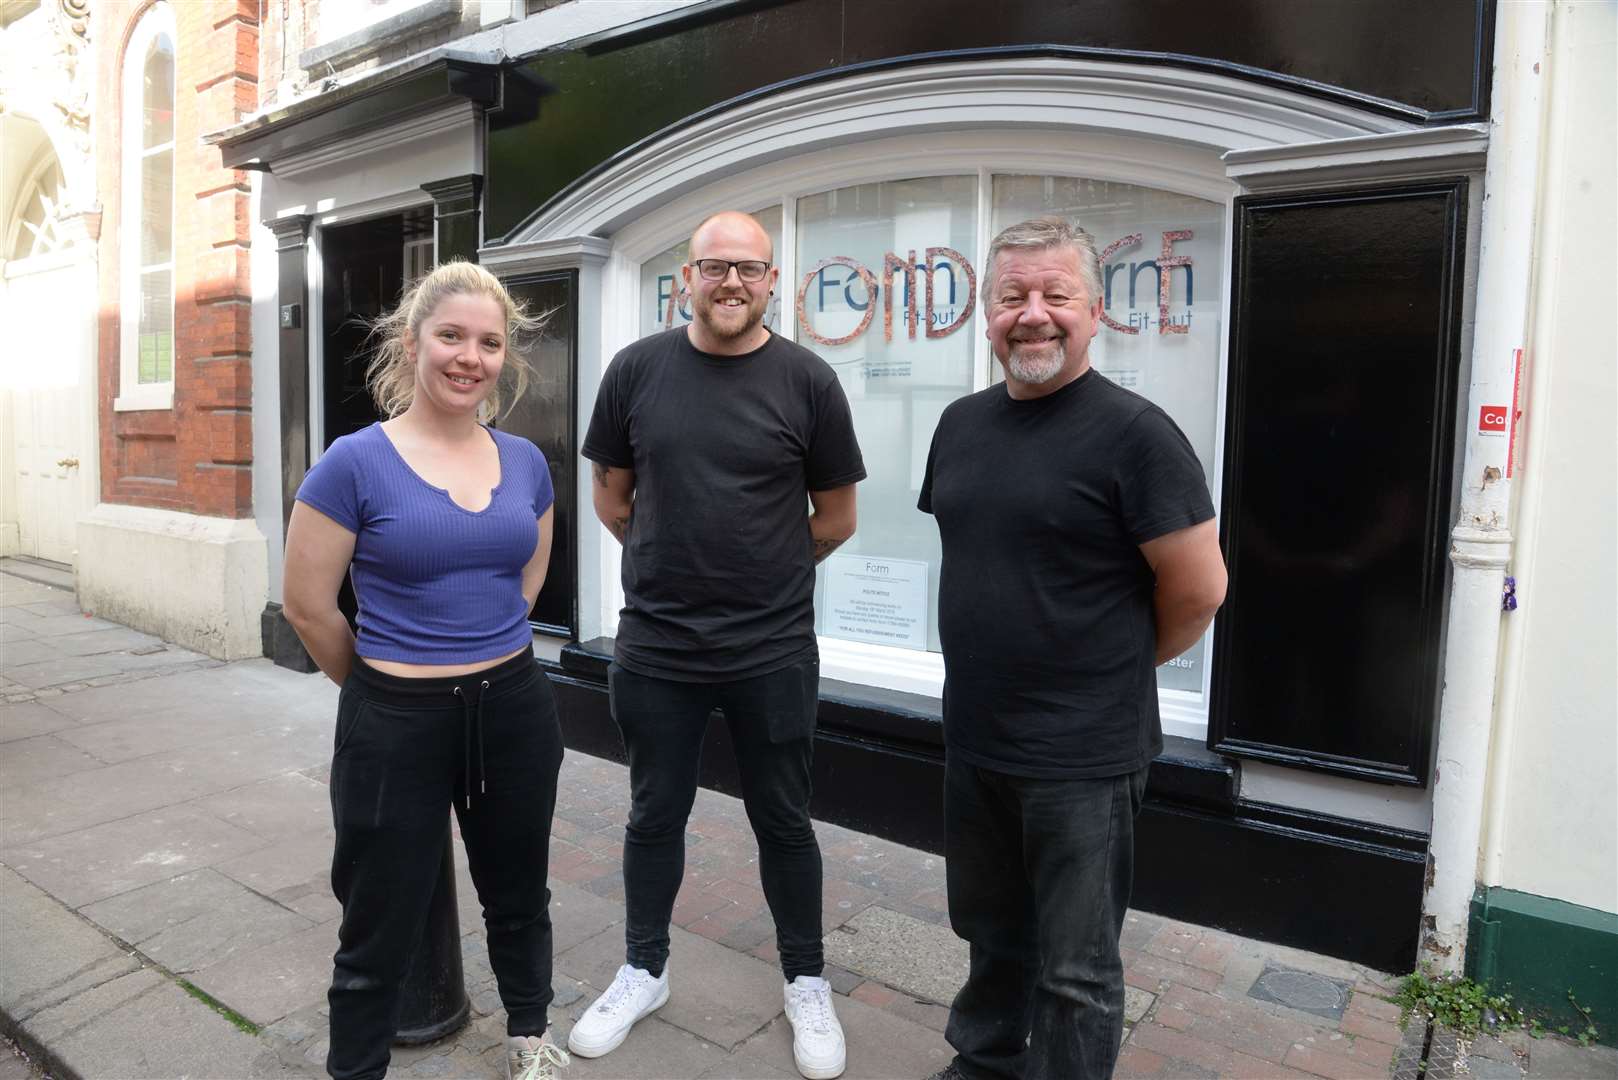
[
  {"x": 620, "y": 527},
  {"x": 599, "y": 471},
  {"x": 826, "y": 547}
]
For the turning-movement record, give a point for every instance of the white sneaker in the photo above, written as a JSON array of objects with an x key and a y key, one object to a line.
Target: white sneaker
[
  {"x": 817, "y": 1038},
  {"x": 632, "y": 995},
  {"x": 533, "y": 1057}
]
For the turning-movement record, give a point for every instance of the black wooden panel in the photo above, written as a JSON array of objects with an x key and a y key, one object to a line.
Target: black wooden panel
[
  {"x": 545, "y": 414},
  {"x": 1339, "y": 448},
  {"x": 1421, "y": 60}
]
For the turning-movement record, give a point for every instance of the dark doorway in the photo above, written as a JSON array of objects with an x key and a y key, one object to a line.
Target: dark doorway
[{"x": 364, "y": 267}]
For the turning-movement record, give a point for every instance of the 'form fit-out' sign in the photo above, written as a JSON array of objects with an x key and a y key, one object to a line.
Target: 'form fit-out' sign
[{"x": 936, "y": 293}]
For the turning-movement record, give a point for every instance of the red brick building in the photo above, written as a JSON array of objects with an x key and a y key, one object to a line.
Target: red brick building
[{"x": 171, "y": 547}]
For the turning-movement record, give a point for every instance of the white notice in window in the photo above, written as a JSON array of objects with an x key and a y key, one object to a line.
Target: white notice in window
[{"x": 876, "y": 600}]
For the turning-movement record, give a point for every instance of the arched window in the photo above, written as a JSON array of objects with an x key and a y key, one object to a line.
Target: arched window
[
  {"x": 37, "y": 229},
  {"x": 146, "y": 239}
]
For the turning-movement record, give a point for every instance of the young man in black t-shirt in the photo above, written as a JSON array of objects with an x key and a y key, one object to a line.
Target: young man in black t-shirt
[
  {"x": 1079, "y": 552},
  {"x": 704, "y": 443}
]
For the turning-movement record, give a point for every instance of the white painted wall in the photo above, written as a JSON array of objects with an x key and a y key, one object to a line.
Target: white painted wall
[{"x": 1553, "y": 804}]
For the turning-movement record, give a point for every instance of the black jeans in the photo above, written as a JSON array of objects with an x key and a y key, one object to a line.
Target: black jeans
[
  {"x": 406, "y": 749},
  {"x": 772, "y": 726},
  {"x": 1039, "y": 874}
]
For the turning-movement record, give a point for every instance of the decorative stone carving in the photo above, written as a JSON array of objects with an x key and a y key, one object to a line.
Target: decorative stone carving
[{"x": 45, "y": 74}]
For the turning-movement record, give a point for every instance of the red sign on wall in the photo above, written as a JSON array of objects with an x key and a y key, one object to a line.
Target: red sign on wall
[{"x": 1492, "y": 419}]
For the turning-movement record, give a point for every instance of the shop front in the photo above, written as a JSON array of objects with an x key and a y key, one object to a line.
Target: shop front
[{"x": 1288, "y": 210}]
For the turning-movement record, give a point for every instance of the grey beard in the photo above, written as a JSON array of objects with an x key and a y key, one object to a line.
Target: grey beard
[{"x": 1035, "y": 375}]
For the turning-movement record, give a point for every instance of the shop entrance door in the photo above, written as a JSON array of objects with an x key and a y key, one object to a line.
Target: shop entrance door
[{"x": 364, "y": 267}]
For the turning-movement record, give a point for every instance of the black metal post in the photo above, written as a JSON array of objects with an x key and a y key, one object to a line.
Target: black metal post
[{"x": 433, "y": 1002}]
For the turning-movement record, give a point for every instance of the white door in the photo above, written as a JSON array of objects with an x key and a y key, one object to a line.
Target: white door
[{"x": 45, "y": 373}]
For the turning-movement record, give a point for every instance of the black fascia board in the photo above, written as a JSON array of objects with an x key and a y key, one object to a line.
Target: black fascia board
[{"x": 405, "y": 91}]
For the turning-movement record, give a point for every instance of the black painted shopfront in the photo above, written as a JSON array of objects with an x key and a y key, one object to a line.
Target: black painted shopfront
[{"x": 1342, "y": 346}]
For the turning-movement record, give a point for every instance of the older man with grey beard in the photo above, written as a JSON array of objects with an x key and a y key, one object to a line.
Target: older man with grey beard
[{"x": 1077, "y": 524}]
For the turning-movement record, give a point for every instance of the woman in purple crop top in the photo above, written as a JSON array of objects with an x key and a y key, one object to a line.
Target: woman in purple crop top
[{"x": 444, "y": 525}]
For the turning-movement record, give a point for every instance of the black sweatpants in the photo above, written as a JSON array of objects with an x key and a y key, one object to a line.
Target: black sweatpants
[{"x": 406, "y": 750}]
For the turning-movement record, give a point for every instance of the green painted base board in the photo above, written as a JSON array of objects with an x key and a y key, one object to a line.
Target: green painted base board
[{"x": 1537, "y": 949}]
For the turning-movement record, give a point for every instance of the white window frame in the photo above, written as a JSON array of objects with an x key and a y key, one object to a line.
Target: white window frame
[
  {"x": 133, "y": 395},
  {"x": 1143, "y": 124},
  {"x": 1198, "y": 174}
]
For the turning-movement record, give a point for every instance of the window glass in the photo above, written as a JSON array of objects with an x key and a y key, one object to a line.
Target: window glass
[
  {"x": 156, "y": 207},
  {"x": 154, "y": 336},
  {"x": 885, "y": 293},
  {"x": 157, "y": 97},
  {"x": 149, "y": 187},
  {"x": 663, "y": 301},
  {"x": 1162, "y": 259}
]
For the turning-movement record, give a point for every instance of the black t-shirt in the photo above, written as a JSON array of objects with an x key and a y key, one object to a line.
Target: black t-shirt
[
  {"x": 1045, "y": 601},
  {"x": 718, "y": 567}
]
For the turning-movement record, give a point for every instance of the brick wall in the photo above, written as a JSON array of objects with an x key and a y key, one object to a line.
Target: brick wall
[{"x": 197, "y": 456}]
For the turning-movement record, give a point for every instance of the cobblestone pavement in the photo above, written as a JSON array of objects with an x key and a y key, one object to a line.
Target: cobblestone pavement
[{"x": 164, "y": 851}]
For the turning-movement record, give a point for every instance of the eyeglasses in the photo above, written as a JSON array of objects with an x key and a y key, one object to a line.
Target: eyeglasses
[{"x": 749, "y": 270}]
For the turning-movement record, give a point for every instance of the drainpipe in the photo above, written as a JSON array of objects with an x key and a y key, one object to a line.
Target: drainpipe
[{"x": 1481, "y": 545}]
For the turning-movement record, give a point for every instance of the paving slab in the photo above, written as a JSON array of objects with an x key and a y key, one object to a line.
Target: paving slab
[
  {"x": 61, "y": 670},
  {"x": 92, "y": 864},
  {"x": 304, "y": 859},
  {"x": 164, "y": 1034},
  {"x": 1553, "y": 1058},
  {"x": 56, "y": 603},
  {"x": 315, "y": 902},
  {"x": 49, "y": 1025},
  {"x": 47, "y": 953},
  {"x": 30, "y": 649},
  {"x": 578, "y": 915},
  {"x": 715, "y": 993},
  {"x": 157, "y": 660},
  {"x": 274, "y": 980},
  {"x": 880, "y": 1044},
  {"x": 231, "y": 762},
  {"x": 42, "y": 757},
  {"x": 48, "y": 808},
  {"x": 277, "y": 808},
  {"x": 27, "y": 719},
  {"x": 232, "y": 694},
  {"x": 902, "y": 951},
  {"x": 58, "y": 623},
  {"x": 195, "y": 920},
  {"x": 655, "y": 1050},
  {"x": 743, "y": 1068},
  {"x": 1490, "y": 1069},
  {"x": 15, "y": 590},
  {"x": 92, "y": 642}
]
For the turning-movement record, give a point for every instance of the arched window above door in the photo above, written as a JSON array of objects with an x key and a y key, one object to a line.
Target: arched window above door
[{"x": 37, "y": 227}]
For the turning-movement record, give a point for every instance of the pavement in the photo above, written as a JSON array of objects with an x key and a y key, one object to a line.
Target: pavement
[{"x": 165, "y": 840}]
